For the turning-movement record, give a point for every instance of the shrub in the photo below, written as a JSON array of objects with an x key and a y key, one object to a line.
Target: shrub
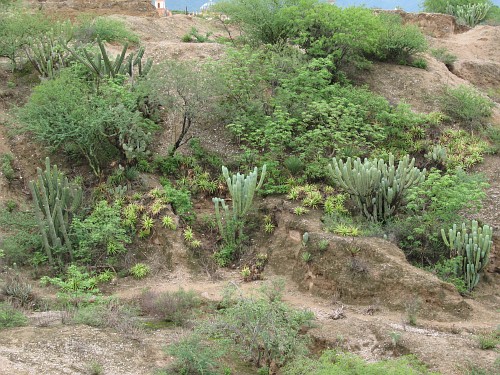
[
  {"x": 101, "y": 234},
  {"x": 343, "y": 35},
  {"x": 195, "y": 357},
  {"x": 263, "y": 21},
  {"x": 67, "y": 115},
  {"x": 108, "y": 313},
  {"x": 333, "y": 362},
  {"x": 263, "y": 331},
  {"x": 176, "y": 307},
  {"x": 195, "y": 36},
  {"x": 88, "y": 29},
  {"x": 140, "y": 271},
  {"x": 77, "y": 286},
  {"x": 466, "y": 106},
  {"x": 398, "y": 42},
  {"x": 19, "y": 291},
  {"x": 16, "y": 28},
  {"x": 22, "y": 235},
  {"x": 489, "y": 340},
  {"x": 10, "y": 317},
  {"x": 6, "y": 166},
  {"x": 437, "y": 202}
]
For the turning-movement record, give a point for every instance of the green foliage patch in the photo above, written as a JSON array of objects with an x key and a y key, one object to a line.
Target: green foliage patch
[{"x": 10, "y": 317}]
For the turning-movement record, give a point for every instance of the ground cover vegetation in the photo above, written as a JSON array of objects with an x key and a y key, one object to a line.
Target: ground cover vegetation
[{"x": 283, "y": 91}]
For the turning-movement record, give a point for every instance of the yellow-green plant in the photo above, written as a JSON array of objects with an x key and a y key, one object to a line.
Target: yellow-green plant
[
  {"x": 140, "y": 270},
  {"x": 168, "y": 222}
]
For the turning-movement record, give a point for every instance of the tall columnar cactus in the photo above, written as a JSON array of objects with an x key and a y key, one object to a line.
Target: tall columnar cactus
[
  {"x": 473, "y": 247},
  {"x": 242, "y": 190},
  {"x": 376, "y": 187},
  {"x": 55, "y": 201}
]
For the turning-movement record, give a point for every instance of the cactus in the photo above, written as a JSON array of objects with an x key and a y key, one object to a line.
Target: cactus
[
  {"x": 473, "y": 248},
  {"x": 55, "y": 202},
  {"x": 469, "y": 14},
  {"x": 46, "y": 52},
  {"x": 100, "y": 65},
  {"x": 377, "y": 188},
  {"x": 437, "y": 154},
  {"x": 242, "y": 190}
]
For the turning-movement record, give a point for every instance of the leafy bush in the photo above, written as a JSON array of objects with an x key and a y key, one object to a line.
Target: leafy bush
[
  {"x": 101, "y": 234},
  {"x": 6, "y": 166},
  {"x": 176, "y": 307},
  {"x": 10, "y": 317},
  {"x": 195, "y": 36},
  {"x": 140, "y": 270},
  {"x": 17, "y": 26},
  {"x": 263, "y": 331},
  {"x": 77, "y": 286},
  {"x": 195, "y": 357},
  {"x": 66, "y": 114},
  {"x": 180, "y": 200},
  {"x": 22, "y": 235},
  {"x": 398, "y": 42},
  {"x": 447, "y": 270},
  {"x": 263, "y": 21},
  {"x": 333, "y": 362},
  {"x": 88, "y": 29},
  {"x": 343, "y": 35},
  {"x": 466, "y": 106},
  {"x": 437, "y": 202}
]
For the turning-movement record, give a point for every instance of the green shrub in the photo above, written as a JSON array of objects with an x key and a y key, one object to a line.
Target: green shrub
[
  {"x": 101, "y": 234},
  {"x": 333, "y": 362},
  {"x": 88, "y": 29},
  {"x": 140, "y": 270},
  {"x": 6, "y": 166},
  {"x": 490, "y": 340},
  {"x": 263, "y": 21},
  {"x": 17, "y": 26},
  {"x": 466, "y": 106},
  {"x": 437, "y": 202},
  {"x": 176, "y": 307},
  {"x": 77, "y": 286},
  {"x": 400, "y": 43},
  {"x": 263, "y": 331},
  {"x": 10, "y": 317},
  {"x": 22, "y": 235},
  {"x": 447, "y": 270},
  {"x": 346, "y": 36},
  {"x": 195, "y": 357},
  {"x": 180, "y": 200},
  {"x": 66, "y": 114}
]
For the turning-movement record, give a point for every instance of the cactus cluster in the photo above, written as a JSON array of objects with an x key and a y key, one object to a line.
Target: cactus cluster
[
  {"x": 55, "y": 201},
  {"x": 46, "y": 52},
  {"x": 377, "y": 187},
  {"x": 242, "y": 190},
  {"x": 100, "y": 65},
  {"x": 469, "y": 14},
  {"x": 438, "y": 154},
  {"x": 473, "y": 247}
]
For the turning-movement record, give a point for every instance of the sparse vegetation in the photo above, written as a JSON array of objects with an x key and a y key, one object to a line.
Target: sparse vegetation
[{"x": 10, "y": 317}]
